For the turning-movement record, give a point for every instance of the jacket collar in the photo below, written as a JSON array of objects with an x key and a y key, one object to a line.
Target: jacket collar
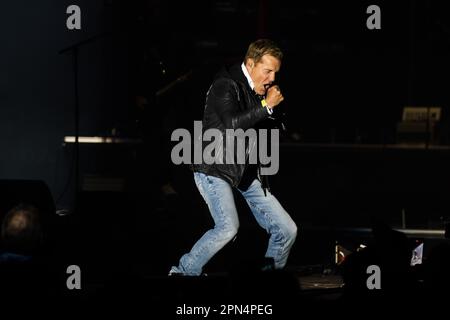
[{"x": 237, "y": 74}]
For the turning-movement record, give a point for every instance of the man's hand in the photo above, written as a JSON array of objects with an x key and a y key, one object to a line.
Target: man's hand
[{"x": 274, "y": 96}]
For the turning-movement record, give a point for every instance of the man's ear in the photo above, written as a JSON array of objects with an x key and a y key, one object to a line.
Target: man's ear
[{"x": 250, "y": 63}]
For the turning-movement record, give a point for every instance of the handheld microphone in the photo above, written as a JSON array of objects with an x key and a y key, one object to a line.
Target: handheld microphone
[{"x": 277, "y": 115}]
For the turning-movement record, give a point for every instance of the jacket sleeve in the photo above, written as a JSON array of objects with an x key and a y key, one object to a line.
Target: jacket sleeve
[{"x": 223, "y": 99}]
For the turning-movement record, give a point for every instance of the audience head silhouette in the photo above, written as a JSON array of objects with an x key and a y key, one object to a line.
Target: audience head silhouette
[{"x": 21, "y": 231}]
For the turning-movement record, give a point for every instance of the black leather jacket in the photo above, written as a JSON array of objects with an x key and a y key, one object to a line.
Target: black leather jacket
[{"x": 232, "y": 104}]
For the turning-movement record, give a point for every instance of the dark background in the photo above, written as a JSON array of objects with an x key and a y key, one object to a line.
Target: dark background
[{"x": 345, "y": 88}]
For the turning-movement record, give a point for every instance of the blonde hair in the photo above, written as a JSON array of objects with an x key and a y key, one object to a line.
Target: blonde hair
[{"x": 257, "y": 49}]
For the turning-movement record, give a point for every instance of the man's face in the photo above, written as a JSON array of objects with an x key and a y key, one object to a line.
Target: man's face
[{"x": 263, "y": 72}]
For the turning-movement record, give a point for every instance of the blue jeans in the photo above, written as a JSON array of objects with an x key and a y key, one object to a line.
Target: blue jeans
[{"x": 268, "y": 212}]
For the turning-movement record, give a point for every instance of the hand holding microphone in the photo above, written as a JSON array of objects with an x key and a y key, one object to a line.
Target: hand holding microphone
[{"x": 274, "y": 96}]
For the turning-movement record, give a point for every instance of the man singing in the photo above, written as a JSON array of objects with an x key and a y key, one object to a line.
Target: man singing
[{"x": 240, "y": 97}]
